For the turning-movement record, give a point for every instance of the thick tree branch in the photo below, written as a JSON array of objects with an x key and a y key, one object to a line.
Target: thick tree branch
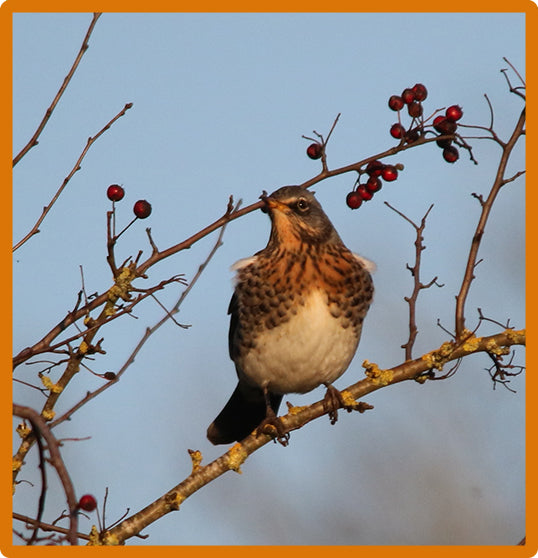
[{"x": 297, "y": 417}]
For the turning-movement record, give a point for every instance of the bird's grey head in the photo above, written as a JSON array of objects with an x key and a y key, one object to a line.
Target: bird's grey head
[{"x": 296, "y": 213}]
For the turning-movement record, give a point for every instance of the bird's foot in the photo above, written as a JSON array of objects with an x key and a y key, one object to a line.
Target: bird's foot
[
  {"x": 335, "y": 400},
  {"x": 272, "y": 426}
]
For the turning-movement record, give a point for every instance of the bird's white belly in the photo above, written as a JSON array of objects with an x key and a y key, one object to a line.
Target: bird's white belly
[{"x": 310, "y": 349}]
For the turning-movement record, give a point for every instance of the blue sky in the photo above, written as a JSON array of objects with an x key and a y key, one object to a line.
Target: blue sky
[{"x": 220, "y": 104}]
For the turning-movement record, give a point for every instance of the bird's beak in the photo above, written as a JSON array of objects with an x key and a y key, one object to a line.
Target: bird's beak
[{"x": 271, "y": 203}]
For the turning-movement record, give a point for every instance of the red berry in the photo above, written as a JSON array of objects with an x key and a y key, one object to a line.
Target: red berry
[
  {"x": 442, "y": 143},
  {"x": 397, "y": 131},
  {"x": 396, "y": 102},
  {"x": 412, "y": 135},
  {"x": 115, "y": 192},
  {"x": 390, "y": 173},
  {"x": 142, "y": 209},
  {"x": 374, "y": 168},
  {"x": 373, "y": 184},
  {"x": 454, "y": 113},
  {"x": 437, "y": 120},
  {"x": 353, "y": 200},
  {"x": 408, "y": 96},
  {"x": 414, "y": 109},
  {"x": 420, "y": 91},
  {"x": 444, "y": 126},
  {"x": 364, "y": 193},
  {"x": 87, "y": 503},
  {"x": 314, "y": 150},
  {"x": 450, "y": 154}
]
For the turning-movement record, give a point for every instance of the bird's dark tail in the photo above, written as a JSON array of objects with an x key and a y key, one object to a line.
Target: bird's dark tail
[{"x": 245, "y": 410}]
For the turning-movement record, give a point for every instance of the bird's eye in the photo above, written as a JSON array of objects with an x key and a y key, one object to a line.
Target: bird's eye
[{"x": 302, "y": 205}]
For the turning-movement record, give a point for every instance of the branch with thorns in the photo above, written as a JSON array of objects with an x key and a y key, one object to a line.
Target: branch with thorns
[{"x": 415, "y": 273}]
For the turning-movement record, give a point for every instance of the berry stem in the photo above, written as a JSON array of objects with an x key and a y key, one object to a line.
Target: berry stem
[{"x": 124, "y": 229}]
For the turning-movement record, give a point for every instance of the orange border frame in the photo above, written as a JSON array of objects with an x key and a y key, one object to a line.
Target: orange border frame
[{"x": 6, "y": 11}]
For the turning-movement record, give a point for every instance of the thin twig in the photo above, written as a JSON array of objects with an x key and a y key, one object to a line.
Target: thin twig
[
  {"x": 35, "y": 229},
  {"x": 43, "y": 493},
  {"x": 47, "y": 526},
  {"x": 515, "y": 71},
  {"x": 514, "y": 90},
  {"x": 111, "y": 241},
  {"x": 491, "y": 113},
  {"x": 33, "y": 140},
  {"x": 417, "y": 284}
]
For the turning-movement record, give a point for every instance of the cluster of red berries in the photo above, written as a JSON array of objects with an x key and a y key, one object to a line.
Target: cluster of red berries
[
  {"x": 87, "y": 503},
  {"x": 412, "y": 97},
  {"x": 376, "y": 170},
  {"x": 447, "y": 125},
  {"x": 141, "y": 209}
]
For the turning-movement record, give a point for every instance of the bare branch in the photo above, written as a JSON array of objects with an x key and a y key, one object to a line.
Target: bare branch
[
  {"x": 515, "y": 90},
  {"x": 35, "y": 229},
  {"x": 481, "y": 226},
  {"x": 415, "y": 272},
  {"x": 33, "y": 140},
  {"x": 46, "y": 526}
]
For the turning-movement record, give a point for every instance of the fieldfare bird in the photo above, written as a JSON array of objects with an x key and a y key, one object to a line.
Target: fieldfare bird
[{"x": 296, "y": 314}]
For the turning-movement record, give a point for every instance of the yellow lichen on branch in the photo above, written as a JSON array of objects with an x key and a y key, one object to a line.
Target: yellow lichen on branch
[
  {"x": 378, "y": 376},
  {"x": 122, "y": 286},
  {"x": 23, "y": 429},
  {"x": 236, "y": 457},
  {"x": 50, "y": 385},
  {"x": 294, "y": 409},
  {"x": 515, "y": 336},
  {"x": 48, "y": 414},
  {"x": 494, "y": 348},
  {"x": 437, "y": 359},
  {"x": 196, "y": 458},
  {"x": 347, "y": 398},
  {"x": 95, "y": 539},
  {"x": 472, "y": 344}
]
